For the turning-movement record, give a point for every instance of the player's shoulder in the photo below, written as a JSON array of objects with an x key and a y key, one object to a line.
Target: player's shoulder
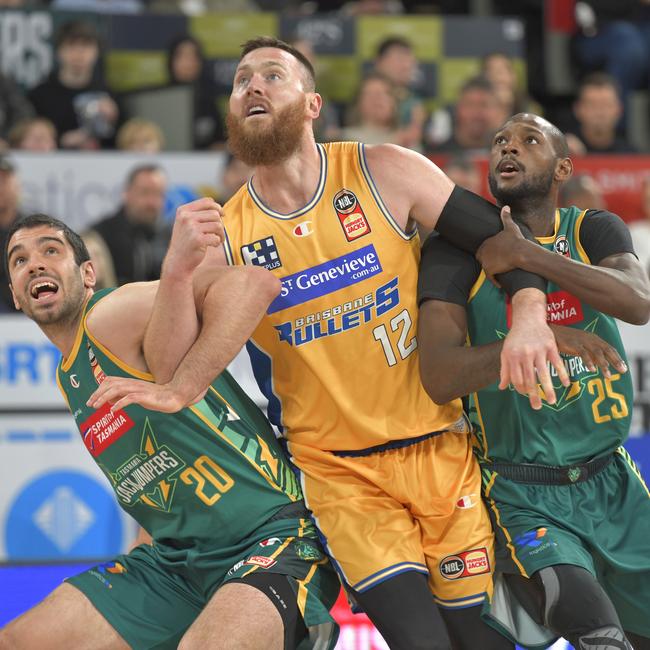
[{"x": 124, "y": 310}]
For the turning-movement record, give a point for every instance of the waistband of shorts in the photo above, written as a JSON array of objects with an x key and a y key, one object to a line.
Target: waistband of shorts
[
  {"x": 387, "y": 446},
  {"x": 296, "y": 510},
  {"x": 550, "y": 474}
]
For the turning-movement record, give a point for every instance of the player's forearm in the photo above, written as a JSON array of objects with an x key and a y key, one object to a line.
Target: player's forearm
[
  {"x": 449, "y": 373},
  {"x": 173, "y": 326},
  {"x": 231, "y": 311},
  {"x": 609, "y": 290}
]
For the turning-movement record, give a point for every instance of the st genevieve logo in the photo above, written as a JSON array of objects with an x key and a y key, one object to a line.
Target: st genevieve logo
[{"x": 350, "y": 214}]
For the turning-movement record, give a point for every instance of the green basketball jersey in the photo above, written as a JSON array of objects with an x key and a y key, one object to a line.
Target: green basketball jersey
[
  {"x": 206, "y": 476},
  {"x": 591, "y": 416}
]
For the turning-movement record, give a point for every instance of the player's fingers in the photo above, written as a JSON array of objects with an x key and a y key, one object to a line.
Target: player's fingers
[
  {"x": 587, "y": 358},
  {"x": 601, "y": 361},
  {"x": 614, "y": 359},
  {"x": 545, "y": 380},
  {"x": 212, "y": 240},
  {"x": 129, "y": 398},
  {"x": 506, "y": 216},
  {"x": 556, "y": 361},
  {"x": 535, "y": 399}
]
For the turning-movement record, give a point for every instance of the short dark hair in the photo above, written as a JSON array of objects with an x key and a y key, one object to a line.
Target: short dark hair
[
  {"x": 141, "y": 169},
  {"x": 599, "y": 80},
  {"x": 480, "y": 82},
  {"x": 79, "y": 249},
  {"x": 393, "y": 41},
  {"x": 77, "y": 30},
  {"x": 270, "y": 41}
]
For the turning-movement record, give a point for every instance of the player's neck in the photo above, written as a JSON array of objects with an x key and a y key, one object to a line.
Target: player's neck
[
  {"x": 63, "y": 333},
  {"x": 538, "y": 216},
  {"x": 289, "y": 185}
]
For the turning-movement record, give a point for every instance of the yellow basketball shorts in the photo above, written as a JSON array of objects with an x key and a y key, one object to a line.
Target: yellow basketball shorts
[{"x": 416, "y": 507}]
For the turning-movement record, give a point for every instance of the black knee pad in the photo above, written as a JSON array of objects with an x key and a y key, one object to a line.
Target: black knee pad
[{"x": 577, "y": 607}]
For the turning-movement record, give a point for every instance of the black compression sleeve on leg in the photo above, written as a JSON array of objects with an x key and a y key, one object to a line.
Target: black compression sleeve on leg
[{"x": 467, "y": 220}]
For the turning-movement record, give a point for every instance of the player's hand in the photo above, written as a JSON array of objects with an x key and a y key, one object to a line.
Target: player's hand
[
  {"x": 594, "y": 351},
  {"x": 197, "y": 226},
  {"x": 502, "y": 252},
  {"x": 528, "y": 349},
  {"x": 120, "y": 392}
]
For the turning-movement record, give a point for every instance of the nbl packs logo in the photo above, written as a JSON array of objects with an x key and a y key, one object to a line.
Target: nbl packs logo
[
  {"x": 351, "y": 216},
  {"x": 465, "y": 564}
]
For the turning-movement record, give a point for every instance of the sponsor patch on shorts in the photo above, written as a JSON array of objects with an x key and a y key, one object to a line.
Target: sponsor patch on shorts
[
  {"x": 465, "y": 564},
  {"x": 261, "y": 561}
]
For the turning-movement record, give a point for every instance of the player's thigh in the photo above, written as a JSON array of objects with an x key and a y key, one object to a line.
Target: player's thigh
[
  {"x": 458, "y": 539},
  {"x": 369, "y": 533},
  {"x": 65, "y": 619},
  {"x": 238, "y": 617}
]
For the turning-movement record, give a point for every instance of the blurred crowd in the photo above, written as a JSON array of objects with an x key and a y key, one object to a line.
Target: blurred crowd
[{"x": 75, "y": 109}]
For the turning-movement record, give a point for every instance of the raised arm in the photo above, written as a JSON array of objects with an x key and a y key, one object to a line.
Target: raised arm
[
  {"x": 175, "y": 316},
  {"x": 414, "y": 189},
  {"x": 615, "y": 284},
  {"x": 448, "y": 368}
]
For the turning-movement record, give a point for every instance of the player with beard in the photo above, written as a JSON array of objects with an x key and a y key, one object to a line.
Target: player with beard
[
  {"x": 235, "y": 561},
  {"x": 389, "y": 476},
  {"x": 570, "y": 510}
]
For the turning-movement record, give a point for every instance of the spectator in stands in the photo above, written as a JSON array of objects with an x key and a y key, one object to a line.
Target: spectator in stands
[
  {"x": 614, "y": 36},
  {"x": 13, "y": 107},
  {"x": 33, "y": 134},
  {"x": 396, "y": 60},
  {"x": 9, "y": 214},
  {"x": 476, "y": 115},
  {"x": 139, "y": 134},
  {"x": 373, "y": 117},
  {"x": 101, "y": 259},
  {"x": 499, "y": 69},
  {"x": 597, "y": 110},
  {"x": 74, "y": 97},
  {"x": 235, "y": 174},
  {"x": 186, "y": 66},
  {"x": 640, "y": 229},
  {"x": 583, "y": 191},
  {"x": 464, "y": 172},
  {"x": 137, "y": 235}
]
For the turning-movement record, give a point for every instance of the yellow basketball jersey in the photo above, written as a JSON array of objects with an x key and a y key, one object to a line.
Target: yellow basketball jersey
[{"x": 336, "y": 353}]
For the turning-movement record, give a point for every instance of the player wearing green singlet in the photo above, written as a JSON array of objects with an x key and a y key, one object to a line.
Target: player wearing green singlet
[
  {"x": 570, "y": 510},
  {"x": 234, "y": 557}
]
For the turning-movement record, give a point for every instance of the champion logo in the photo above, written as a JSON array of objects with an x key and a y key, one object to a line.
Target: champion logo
[
  {"x": 303, "y": 229},
  {"x": 74, "y": 382},
  {"x": 465, "y": 502}
]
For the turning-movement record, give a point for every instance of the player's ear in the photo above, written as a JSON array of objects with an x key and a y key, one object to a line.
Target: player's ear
[
  {"x": 13, "y": 295},
  {"x": 314, "y": 104},
  {"x": 88, "y": 274},
  {"x": 563, "y": 170}
]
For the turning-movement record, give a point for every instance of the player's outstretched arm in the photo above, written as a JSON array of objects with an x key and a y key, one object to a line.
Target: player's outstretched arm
[
  {"x": 449, "y": 369},
  {"x": 412, "y": 187},
  {"x": 616, "y": 285},
  {"x": 233, "y": 306}
]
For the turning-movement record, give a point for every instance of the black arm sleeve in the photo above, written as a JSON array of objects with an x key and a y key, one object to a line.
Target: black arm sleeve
[
  {"x": 468, "y": 219},
  {"x": 603, "y": 234},
  {"x": 446, "y": 272}
]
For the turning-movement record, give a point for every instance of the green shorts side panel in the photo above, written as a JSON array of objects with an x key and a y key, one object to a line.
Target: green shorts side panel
[{"x": 602, "y": 525}]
